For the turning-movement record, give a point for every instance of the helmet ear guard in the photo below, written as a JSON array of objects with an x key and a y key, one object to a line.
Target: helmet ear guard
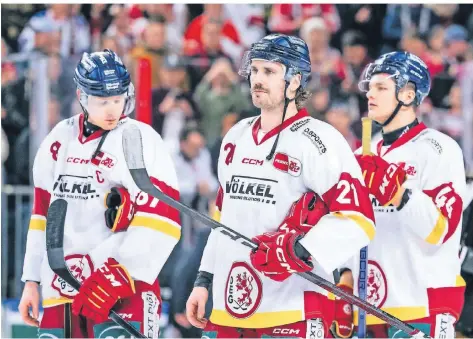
[{"x": 130, "y": 100}]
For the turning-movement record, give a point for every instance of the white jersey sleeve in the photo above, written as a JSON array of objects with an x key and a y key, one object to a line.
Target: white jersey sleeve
[
  {"x": 331, "y": 170},
  {"x": 155, "y": 228},
  {"x": 43, "y": 180},
  {"x": 434, "y": 211}
]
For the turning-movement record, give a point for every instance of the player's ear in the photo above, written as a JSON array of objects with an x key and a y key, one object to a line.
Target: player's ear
[
  {"x": 78, "y": 94},
  {"x": 294, "y": 84},
  {"x": 408, "y": 94}
]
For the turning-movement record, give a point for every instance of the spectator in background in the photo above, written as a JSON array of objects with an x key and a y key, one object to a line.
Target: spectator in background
[
  {"x": 411, "y": 19},
  {"x": 339, "y": 116},
  {"x": 153, "y": 48},
  {"x": 196, "y": 183},
  {"x": 355, "y": 59},
  {"x": 225, "y": 35},
  {"x": 201, "y": 59},
  {"x": 61, "y": 85},
  {"x": 248, "y": 19},
  {"x": 193, "y": 165},
  {"x": 110, "y": 42},
  {"x": 15, "y": 109},
  {"x": 324, "y": 59},
  {"x": 450, "y": 121},
  {"x": 319, "y": 103},
  {"x": 100, "y": 19},
  {"x": 457, "y": 49},
  {"x": 120, "y": 27},
  {"x": 288, "y": 18},
  {"x": 414, "y": 43},
  {"x": 227, "y": 122},
  {"x": 172, "y": 103},
  {"x": 435, "y": 44},
  {"x": 218, "y": 93},
  {"x": 15, "y": 123},
  {"x": 365, "y": 18},
  {"x": 56, "y": 30},
  {"x": 174, "y": 15}
]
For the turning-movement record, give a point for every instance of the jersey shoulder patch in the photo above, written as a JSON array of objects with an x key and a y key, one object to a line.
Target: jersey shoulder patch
[
  {"x": 314, "y": 132},
  {"x": 436, "y": 142}
]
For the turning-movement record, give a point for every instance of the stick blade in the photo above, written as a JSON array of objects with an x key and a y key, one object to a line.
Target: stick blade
[
  {"x": 55, "y": 234},
  {"x": 55, "y": 224},
  {"x": 133, "y": 147}
]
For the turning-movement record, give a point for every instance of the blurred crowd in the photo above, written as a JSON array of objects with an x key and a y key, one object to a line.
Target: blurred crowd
[{"x": 197, "y": 95}]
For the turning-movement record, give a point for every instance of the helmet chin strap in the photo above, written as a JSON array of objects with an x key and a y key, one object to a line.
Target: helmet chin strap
[
  {"x": 287, "y": 101},
  {"x": 393, "y": 115},
  {"x": 400, "y": 103}
]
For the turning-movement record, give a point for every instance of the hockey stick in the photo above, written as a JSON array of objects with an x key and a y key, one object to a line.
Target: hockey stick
[
  {"x": 366, "y": 150},
  {"x": 133, "y": 151},
  {"x": 55, "y": 251}
]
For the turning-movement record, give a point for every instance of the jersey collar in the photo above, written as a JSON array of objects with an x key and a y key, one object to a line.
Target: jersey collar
[
  {"x": 407, "y": 136},
  {"x": 257, "y": 125},
  {"x": 390, "y": 137},
  {"x": 97, "y": 134}
]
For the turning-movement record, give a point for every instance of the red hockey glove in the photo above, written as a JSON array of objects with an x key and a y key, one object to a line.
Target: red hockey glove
[
  {"x": 342, "y": 326},
  {"x": 304, "y": 213},
  {"x": 275, "y": 256},
  {"x": 120, "y": 209},
  {"x": 102, "y": 290},
  {"x": 382, "y": 178}
]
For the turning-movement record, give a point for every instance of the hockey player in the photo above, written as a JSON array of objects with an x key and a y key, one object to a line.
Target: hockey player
[
  {"x": 416, "y": 179},
  {"x": 116, "y": 249},
  {"x": 271, "y": 170}
]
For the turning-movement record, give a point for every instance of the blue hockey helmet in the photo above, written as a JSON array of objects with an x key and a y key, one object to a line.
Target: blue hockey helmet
[
  {"x": 403, "y": 67},
  {"x": 103, "y": 74},
  {"x": 290, "y": 51}
]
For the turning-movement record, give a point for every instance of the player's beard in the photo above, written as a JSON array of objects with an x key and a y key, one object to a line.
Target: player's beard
[{"x": 264, "y": 101}]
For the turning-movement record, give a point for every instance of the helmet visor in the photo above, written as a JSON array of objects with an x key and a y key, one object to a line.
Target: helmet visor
[
  {"x": 373, "y": 68},
  {"x": 245, "y": 67}
]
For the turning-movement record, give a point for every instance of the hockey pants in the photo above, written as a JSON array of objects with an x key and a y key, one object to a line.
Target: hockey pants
[{"x": 142, "y": 310}]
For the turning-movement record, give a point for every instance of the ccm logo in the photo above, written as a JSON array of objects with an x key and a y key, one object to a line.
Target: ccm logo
[
  {"x": 77, "y": 160},
  {"x": 285, "y": 331},
  {"x": 249, "y": 161},
  {"x": 389, "y": 174}
]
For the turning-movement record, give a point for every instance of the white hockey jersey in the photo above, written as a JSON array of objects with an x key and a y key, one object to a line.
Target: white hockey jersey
[
  {"x": 255, "y": 196},
  {"x": 65, "y": 168},
  {"x": 417, "y": 248}
]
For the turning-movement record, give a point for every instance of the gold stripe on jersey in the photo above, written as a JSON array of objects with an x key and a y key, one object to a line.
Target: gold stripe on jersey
[
  {"x": 50, "y": 302},
  {"x": 460, "y": 281},
  {"x": 403, "y": 313},
  {"x": 257, "y": 320},
  {"x": 439, "y": 229},
  {"x": 156, "y": 224},
  {"x": 38, "y": 223},
  {"x": 216, "y": 215}
]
